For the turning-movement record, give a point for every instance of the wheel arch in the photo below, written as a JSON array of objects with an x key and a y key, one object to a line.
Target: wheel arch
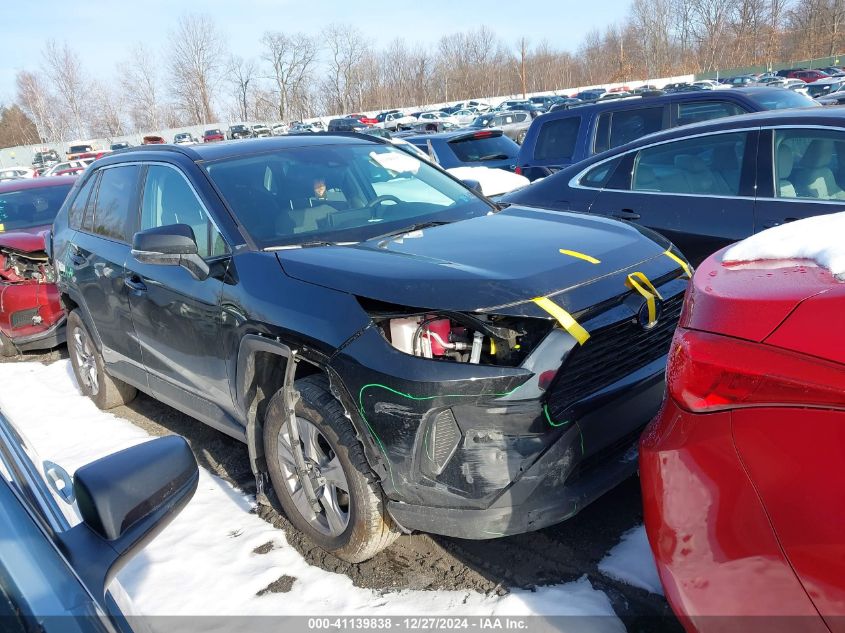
[
  {"x": 69, "y": 303},
  {"x": 261, "y": 372}
]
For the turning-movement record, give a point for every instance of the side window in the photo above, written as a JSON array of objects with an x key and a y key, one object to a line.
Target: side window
[
  {"x": 709, "y": 165},
  {"x": 169, "y": 199},
  {"x": 77, "y": 209},
  {"x": 705, "y": 110},
  {"x": 599, "y": 176},
  {"x": 114, "y": 211},
  {"x": 556, "y": 139},
  {"x": 629, "y": 125},
  {"x": 602, "y": 140},
  {"x": 88, "y": 211},
  {"x": 809, "y": 164}
]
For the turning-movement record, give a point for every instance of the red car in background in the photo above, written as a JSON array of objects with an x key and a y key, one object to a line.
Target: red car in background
[
  {"x": 31, "y": 315},
  {"x": 363, "y": 118},
  {"x": 743, "y": 470},
  {"x": 808, "y": 76},
  {"x": 212, "y": 136}
]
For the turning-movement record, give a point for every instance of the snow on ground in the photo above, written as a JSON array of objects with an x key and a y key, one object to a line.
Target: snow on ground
[
  {"x": 631, "y": 562},
  {"x": 493, "y": 182},
  {"x": 818, "y": 238},
  {"x": 205, "y": 563}
]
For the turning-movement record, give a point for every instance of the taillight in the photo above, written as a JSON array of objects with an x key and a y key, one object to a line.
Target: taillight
[
  {"x": 709, "y": 372},
  {"x": 517, "y": 170},
  {"x": 482, "y": 134}
]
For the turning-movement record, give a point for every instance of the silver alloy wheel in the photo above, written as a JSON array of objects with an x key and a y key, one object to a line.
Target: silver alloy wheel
[
  {"x": 327, "y": 478},
  {"x": 86, "y": 360}
]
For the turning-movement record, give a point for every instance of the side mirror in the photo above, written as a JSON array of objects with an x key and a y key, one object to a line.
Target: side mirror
[
  {"x": 473, "y": 184},
  {"x": 125, "y": 500},
  {"x": 171, "y": 245}
]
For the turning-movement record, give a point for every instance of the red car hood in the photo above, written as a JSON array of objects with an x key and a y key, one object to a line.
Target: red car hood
[
  {"x": 25, "y": 240},
  {"x": 750, "y": 300}
]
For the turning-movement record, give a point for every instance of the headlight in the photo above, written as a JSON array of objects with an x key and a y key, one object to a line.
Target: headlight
[{"x": 458, "y": 337}]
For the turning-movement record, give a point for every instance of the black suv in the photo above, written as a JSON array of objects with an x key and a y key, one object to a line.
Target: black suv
[
  {"x": 239, "y": 131},
  {"x": 396, "y": 352},
  {"x": 565, "y": 137}
]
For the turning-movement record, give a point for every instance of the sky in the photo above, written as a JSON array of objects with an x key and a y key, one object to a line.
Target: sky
[{"x": 103, "y": 31}]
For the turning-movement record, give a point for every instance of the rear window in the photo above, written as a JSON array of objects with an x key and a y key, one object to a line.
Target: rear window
[
  {"x": 599, "y": 176},
  {"x": 623, "y": 126},
  {"x": 483, "y": 148},
  {"x": 31, "y": 207},
  {"x": 556, "y": 139},
  {"x": 782, "y": 99},
  {"x": 706, "y": 110}
]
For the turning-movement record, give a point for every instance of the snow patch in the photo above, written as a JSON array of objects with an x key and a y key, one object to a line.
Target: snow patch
[
  {"x": 493, "y": 182},
  {"x": 817, "y": 238},
  {"x": 206, "y": 562},
  {"x": 632, "y": 562}
]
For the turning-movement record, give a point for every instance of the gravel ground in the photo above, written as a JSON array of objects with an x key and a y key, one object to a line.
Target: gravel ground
[{"x": 557, "y": 554}]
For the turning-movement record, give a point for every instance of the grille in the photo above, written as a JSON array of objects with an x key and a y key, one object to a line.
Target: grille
[
  {"x": 610, "y": 354},
  {"x": 23, "y": 317}
]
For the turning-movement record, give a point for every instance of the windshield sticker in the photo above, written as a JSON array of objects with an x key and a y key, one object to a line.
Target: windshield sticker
[{"x": 396, "y": 161}]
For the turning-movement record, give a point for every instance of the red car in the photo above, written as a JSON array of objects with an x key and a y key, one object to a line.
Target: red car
[
  {"x": 808, "y": 76},
  {"x": 743, "y": 469},
  {"x": 31, "y": 315},
  {"x": 363, "y": 118},
  {"x": 212, "y": 136}
]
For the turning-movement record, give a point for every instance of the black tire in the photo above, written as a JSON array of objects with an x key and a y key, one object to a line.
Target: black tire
[
  {"x": 7, "y": 348},
  {"x": 108, "y": 392},
  {"x": 370, "y": 528}
]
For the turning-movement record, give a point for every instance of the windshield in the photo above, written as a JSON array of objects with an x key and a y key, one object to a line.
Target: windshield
[
  {"x": 338, "y": 193},
  {"x": 31, "y": 207},
  {"x": 782, "y": 99},
  {"x": 77, "y": 149}
]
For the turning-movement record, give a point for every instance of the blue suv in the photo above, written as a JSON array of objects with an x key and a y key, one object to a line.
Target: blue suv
[{"x": 562, "y": 138}]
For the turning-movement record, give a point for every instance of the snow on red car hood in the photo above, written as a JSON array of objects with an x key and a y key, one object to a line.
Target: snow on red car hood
[{"x": 749, "y": 300}]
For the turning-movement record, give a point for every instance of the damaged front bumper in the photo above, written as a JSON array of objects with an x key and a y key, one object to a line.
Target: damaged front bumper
[
  {"x": 481, "y": 451},
  {"x": 576, "y": 469}
]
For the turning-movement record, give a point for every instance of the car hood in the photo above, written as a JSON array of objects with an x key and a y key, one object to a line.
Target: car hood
[
  {"x": 25, "y": 240},
  {"x": 496, "y": 262}
]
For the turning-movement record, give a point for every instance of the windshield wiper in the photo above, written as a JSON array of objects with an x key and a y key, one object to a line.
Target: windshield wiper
[
  {"x": 310, "y": 244},
  {"x": 419, "y": 226},
  {"x": 494, "y": 157}
]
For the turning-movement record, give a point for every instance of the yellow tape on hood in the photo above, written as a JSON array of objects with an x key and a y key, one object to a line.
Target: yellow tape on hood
[{"x": 564, "y": 318}]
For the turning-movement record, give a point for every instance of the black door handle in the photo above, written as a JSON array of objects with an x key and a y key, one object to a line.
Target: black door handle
[
  {"x": 133, "y": 282},
  {"x": 626, "y": 214}
]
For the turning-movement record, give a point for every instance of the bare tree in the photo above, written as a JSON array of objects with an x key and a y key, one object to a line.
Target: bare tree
[
  {"x": 105, "y": 111},
  {"x": 197, "y": 54},
  {"x": 241, "y": 74},
  {"x": 64, "y": 70},
  {"x": 292, "y": 59},
  {"x": 346, "y": 48},
  {"x": 35, "y": 101},
  {"x": 140, "y": 81}
]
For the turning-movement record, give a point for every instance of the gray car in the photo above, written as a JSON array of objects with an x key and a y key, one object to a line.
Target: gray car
[
  {"x": 514, "y": 124},
  {"x": 55, "y": 570}
]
